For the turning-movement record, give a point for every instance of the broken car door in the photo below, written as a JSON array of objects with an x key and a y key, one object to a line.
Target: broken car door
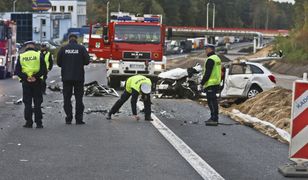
[{"x": 237, "y": 80}]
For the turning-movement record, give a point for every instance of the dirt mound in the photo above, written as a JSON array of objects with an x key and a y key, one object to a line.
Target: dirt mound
[
  {"x": 261, "y": 53},
  {"x": 273, "y": 106},
  {"x": 191, "y": 60},
  {"x": 282, "y": 67}
]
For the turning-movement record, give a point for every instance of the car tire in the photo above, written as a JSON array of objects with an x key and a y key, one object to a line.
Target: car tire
[{"x": 253, "y": 91}]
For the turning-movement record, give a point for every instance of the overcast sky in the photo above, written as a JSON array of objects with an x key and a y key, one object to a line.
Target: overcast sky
[{"x": 291, "y": 1}]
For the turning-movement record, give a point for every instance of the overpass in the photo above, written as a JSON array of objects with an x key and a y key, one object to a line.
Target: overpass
[
  {"x": 192, "y": 32},
  {"x": 257, "y": 34}
]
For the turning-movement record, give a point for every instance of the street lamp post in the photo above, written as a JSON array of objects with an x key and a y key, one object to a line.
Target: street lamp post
[
  {"x": 213, "y": 15},
  {"x": 207, "y": 15},
  {"x": 107, "y": 18},
  {"x": 14, "y": 2}
]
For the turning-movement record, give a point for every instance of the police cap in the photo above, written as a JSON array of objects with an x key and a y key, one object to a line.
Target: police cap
[
  {"x": 43, "y": 45},
  {"x": 72, "y": 36},
  {"x": 29, "y": 43}
]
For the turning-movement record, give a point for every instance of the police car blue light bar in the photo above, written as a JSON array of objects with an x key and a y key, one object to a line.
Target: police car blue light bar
[
  {"x": 151, "y": 19},
  {"x": 122, "y": 16}
]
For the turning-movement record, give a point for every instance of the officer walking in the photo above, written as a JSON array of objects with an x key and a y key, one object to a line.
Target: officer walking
[
  {"x": 72, "y": 58},
  {"x": 211, "y": 81},
  {"x": 30, "y": 68},
  {"x": 135, "y": 86},
  {"x": 49, "y": 63}
]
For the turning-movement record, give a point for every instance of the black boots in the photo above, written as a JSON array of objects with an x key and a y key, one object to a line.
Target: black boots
[
  {"x": 108, "y": 117},
  {"x": 211, "y": 122}
]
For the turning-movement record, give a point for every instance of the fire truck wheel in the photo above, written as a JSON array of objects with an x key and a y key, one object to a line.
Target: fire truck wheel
[
  {"x": 3, "y": 74},
  {"x": 114, "y": 82}
]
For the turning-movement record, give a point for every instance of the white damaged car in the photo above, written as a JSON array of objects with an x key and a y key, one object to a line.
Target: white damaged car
[{"x": 246, "y": 79}]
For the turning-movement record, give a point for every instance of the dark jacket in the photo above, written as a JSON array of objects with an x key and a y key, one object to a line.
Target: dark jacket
[
  {"x": 72, "y": 58},
  {"x": 23, "y": 76}
]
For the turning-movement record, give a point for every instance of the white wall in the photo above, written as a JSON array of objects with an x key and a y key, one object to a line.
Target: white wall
[
  {"x": 79, "y": 10},
  {"x": 39, "y": 29}
]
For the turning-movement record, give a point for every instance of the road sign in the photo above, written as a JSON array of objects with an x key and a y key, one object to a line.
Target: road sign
[
  {"x": 298, "y": 151},
  {"x": 41, "y": 5}
]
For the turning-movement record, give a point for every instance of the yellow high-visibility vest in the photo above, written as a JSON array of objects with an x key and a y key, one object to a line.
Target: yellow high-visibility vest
[
  {"x": 135, "y": 82},
  {"x": 46, "y": 58},
  {"x": 215, "y": 77},
  {"x": 30, "y": 62}
]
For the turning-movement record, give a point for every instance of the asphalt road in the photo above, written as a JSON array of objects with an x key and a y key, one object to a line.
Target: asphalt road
[{"x": 123, "y": 148}]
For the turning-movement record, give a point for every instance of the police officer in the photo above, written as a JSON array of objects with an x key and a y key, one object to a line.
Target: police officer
[
  {"x": 211, "y": 82},
  {"x": 135, "y": 86},
  {"x": 72, "y": 58},
  {"x": 49, "y": 63},
  {"x": 30, "y": 68}
]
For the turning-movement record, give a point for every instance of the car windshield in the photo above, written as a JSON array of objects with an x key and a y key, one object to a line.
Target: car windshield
[
  {"x": 137, "y": 34},
  {"x": 2, "y": 34}
]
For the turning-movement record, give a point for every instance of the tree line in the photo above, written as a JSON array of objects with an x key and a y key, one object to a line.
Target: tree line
[
  {"x": 264, "y": 14},
  {"x": 229, "y": 13},
  {"x": 296, "y": 45}
]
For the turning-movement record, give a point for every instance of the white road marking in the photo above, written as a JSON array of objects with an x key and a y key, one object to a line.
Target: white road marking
[{"x": 203, "y": 169}]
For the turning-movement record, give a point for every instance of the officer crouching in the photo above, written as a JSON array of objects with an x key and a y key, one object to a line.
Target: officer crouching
[
  {"x": 135, "y": 85},
  {"x": 30, "y": 68}
]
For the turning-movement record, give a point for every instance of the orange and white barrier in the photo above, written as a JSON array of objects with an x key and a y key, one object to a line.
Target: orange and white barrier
[
  {"x": 299, "y": 122},
  {"x": 298, "y": 151}
]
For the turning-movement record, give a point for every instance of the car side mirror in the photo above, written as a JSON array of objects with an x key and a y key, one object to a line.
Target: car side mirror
[
  {"x": 169, "y": 33},
  {"x": 105, "y": 35}
]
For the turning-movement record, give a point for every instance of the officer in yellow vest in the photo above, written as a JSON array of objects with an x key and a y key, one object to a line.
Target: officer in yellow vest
[
  {"x": 135, "y": 85},
  {"x": 49, "y": 63},
  {"x": 211, "y": 82},
  {"x": 30, "y": 68}
]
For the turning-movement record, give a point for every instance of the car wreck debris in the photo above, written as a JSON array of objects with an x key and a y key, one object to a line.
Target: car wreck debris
[{"x": 95, "y": 89}]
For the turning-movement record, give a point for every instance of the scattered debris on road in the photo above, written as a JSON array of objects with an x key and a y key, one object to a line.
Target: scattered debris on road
[
  {"x": 18, "y": 101},
  {"x": 167, "y": 115},
  {"x": 56, "y": 88},
  {"x": 95, "y": 89},
  {"x": 57, "y": 101},
  {"x": 103, "y": 111}
]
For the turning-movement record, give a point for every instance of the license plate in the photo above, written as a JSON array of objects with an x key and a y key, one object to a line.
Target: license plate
[{"x": 136, "y": 66}]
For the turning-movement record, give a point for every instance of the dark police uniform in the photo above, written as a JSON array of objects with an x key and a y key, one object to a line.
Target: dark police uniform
[
  {"x": 211, "y": 81},
  {"x": 133, "y": 88},
  {"x": 49, "y": 63},
  {"x": 72, "y": 58},
  {"x": 31, "y": 64}
]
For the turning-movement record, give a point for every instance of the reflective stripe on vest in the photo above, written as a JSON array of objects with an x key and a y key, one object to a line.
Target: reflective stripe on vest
[
  {"x": 135, "y": 82},
  {"x": 30, "y": 62},
  {"x": 215, "y": 77},
  {"x": 46, "y": 58}
]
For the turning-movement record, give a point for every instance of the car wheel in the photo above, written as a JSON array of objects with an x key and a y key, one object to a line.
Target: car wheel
[{"x": 253, "y": 91}]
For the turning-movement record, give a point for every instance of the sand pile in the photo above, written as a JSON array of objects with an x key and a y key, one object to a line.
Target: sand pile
[
  {"x": 191, "y": 60},
  {"x": 273, "y": 106},
  {"x": 261, "y": 53}
]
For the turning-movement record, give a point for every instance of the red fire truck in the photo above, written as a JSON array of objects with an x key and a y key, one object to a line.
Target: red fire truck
[
  {"x": 131, "y": 45},
  {"x": 8, "y": 53}
]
